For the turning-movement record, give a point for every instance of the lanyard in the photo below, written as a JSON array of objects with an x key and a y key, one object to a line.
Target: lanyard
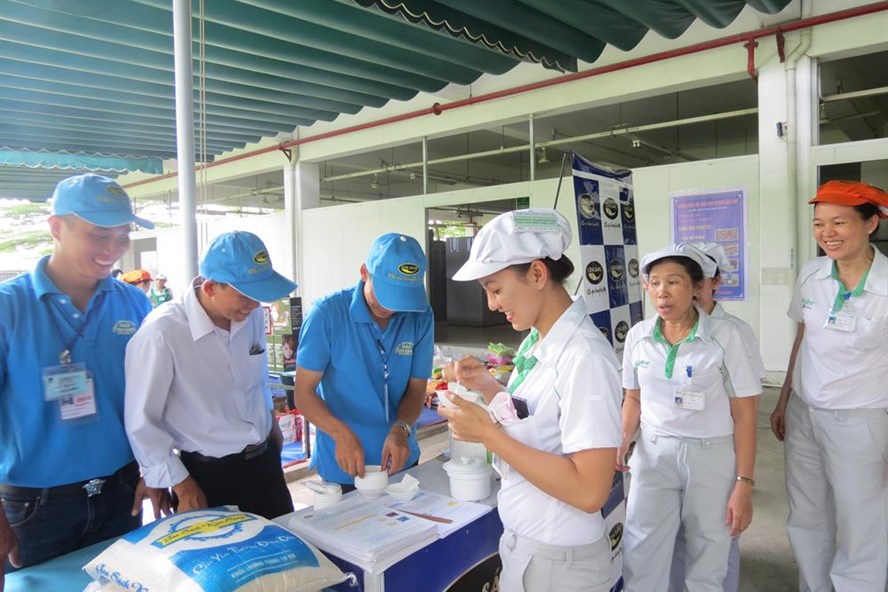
[
  {"x": 385, "y": 374},
  {"x": 65, "y": 355},
  {"x": 844, "y": 294},
  {"x": 524, "y": 363}
]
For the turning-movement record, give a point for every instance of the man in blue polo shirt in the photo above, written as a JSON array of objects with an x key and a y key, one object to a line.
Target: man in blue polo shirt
[
  {"x": 364, "y": 359},
  {"x": 67, "y": 474}
]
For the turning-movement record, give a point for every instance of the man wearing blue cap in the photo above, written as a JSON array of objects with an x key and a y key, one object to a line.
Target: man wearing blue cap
[
  {"x": 197, "y": 383},
  {"x": 67, "y": 474},
  {"x": 364, "y": 359}
]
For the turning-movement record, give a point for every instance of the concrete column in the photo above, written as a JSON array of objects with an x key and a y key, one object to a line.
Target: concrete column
[
  {"x": 185, "y": 134},
  {"x": 302, "y": 191}
]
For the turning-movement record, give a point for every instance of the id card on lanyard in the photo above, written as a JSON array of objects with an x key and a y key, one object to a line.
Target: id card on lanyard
[
  {"x": 69, "y": 384},
  {"x": 842, "y": 316}
]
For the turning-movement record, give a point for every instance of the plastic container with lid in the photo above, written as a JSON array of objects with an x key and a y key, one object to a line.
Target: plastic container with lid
[{"x": 469, "y": 478}]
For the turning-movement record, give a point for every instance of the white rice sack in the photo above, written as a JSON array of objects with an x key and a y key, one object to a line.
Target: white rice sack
[{"x": 213, "y": 550}]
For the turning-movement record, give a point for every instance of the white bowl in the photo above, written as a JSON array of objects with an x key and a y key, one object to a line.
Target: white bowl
[
  {"x": 401, "y": 492},
  {"x": 373, "y": 483}
]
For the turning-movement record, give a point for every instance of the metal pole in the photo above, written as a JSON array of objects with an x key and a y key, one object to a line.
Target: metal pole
[
  {"x": 533, "y": 160},
  {"x": 185, "y": 133},
  {"x": 425, "y": 165}
]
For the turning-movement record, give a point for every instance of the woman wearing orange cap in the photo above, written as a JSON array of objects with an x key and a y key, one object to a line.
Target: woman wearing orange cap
[
  {"x": 836, "y": 426},
  {"x": 139, "y": 278}
]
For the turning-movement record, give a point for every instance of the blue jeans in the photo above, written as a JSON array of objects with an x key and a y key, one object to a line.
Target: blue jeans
[{"x": 50, "y": 524}]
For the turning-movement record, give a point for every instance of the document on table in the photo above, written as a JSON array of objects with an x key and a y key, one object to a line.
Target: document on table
[
  {"x": 364, "y": 532},
  {"x": 447, "y": 513}
]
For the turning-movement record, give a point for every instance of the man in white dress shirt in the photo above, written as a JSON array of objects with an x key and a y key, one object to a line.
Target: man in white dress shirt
[{"x": 198, "y": 409}]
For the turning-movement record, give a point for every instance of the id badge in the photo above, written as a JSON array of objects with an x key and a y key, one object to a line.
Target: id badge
[
  {"x": 68, "y": 380},
  {"x": 80, "y": 405},
  {"x": 844, "y": 320},
  {"x": 685, "y": 398}
]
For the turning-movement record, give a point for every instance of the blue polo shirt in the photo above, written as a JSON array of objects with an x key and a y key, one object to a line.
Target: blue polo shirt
[
  {"x": 37, "y": 447},
  {"x": 340, "y": 338}
]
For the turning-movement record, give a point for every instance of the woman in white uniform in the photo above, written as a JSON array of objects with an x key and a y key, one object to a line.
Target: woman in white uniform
[
  {"x": 691, "y": 390},
  {"x": 706, "y": 300},
  {"x": 833, "y": 409},
  {"x": 555, "y": 443}
]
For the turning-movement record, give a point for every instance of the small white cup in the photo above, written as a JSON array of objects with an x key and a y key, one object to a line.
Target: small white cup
[
  {"x": 373, "y": 483},
  {"x": 331, "y": 495}
]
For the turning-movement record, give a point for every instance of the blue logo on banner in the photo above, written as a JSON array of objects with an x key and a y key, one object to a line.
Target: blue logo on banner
[
  {"x": 627, "y": 208},
  {"x": 602, "y": 320},
  {"x": 618, "y": 286}
]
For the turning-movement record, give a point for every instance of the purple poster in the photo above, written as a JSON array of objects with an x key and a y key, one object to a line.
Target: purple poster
[{"x": 719, "y": 217}]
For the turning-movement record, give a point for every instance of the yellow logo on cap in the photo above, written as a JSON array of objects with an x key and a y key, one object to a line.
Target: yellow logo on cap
[
  {"x": 408, "y": 268},
  {"x": 117, "y": 191},
  {"x": 261, "y": 258}
]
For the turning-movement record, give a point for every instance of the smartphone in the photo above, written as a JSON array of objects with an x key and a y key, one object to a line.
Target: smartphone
[{"x": 520, "y": 407}]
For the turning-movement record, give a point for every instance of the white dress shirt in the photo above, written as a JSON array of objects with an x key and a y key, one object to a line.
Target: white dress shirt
[{"x": 193, "y": 386}]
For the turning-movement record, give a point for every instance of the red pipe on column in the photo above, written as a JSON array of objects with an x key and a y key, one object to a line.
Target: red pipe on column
[
  {"x": 750, "y": 59},
  {"x": 438, "y": 109}
]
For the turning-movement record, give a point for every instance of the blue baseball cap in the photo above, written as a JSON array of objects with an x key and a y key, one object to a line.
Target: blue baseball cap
[
  {"x": 96, "y": 199},
  {"x": 397, "y": 265},
  {"x": 240, "y": 259}
]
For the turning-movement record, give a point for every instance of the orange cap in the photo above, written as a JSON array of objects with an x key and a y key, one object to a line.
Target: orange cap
[
  {"x": 852, "y": 193},
  {"x": 136, "y": 276}
]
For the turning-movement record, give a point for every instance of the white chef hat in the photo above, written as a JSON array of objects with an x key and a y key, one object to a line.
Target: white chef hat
[
  {"x": 513, "y": 238},
  {"x": 680, "y": 250}
]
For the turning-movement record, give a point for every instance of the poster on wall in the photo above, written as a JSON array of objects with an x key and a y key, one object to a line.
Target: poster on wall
[{"x": 717, "y": 216}]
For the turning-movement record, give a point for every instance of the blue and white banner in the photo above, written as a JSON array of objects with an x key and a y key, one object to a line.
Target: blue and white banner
[{"x": 611, "y": 286}]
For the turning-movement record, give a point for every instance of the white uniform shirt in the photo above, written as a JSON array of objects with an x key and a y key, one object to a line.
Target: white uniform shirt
[
  {"x": 716, "y": 360},
  {"x": 573, "y": 396},
  {"x": 193, "y": 386},
  {"x": 837, "y": 369},
  {"x": 750, "y": 343}
]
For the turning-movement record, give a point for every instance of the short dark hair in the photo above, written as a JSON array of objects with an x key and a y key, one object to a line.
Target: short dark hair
[
  {"x": 559, "y": 269},
  {"x": 692, "y": 267},
  {"x": 867, "y": 210}
]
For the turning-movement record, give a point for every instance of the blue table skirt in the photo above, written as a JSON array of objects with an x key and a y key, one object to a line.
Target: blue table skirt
[{"x": 62, "y": 574}]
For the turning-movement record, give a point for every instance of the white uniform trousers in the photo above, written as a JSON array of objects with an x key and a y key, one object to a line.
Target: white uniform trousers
[
  {"x": 677, "y": 573},
  {"x": 837, "y": 486},
  {"x": 678, "y": 481},
  {"x": 531, "y": 566}
]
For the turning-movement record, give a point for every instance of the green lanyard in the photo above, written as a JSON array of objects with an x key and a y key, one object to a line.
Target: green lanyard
[
  {"x": 524, "y": 363},
  {"x": 844, "y": 294},
  {"x": 673, "y": 349}
]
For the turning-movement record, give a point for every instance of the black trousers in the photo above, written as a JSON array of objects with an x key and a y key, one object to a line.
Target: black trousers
[{"x": 254, "y": 485}]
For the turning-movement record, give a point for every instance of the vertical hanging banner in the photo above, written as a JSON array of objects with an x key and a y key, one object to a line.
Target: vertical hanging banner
[
  {"x": 611, "y": 288},
  {"x": 608, "y": 248},
  {"x": 715, "y": 216}
]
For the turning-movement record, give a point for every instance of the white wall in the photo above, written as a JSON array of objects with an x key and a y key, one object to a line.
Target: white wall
[
  {"x": 653, "y": 186},
  {"x": 337, "y": 239}
]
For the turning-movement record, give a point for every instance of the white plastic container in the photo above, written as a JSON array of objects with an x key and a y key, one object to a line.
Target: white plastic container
[
  {"x": 373, "y": 483},
  {"x": 331, "y": 495},
  {"x": 469, "y": 478}
]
